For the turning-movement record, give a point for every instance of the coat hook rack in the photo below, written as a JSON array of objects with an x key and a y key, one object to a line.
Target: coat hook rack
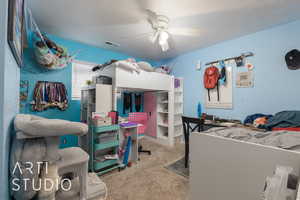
[{"x": 243, "y": 55}]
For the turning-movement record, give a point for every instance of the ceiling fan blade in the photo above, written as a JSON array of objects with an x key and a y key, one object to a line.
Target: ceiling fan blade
[
  {"x": 144, "y": 6},
  {"x": 151, "y": 14},
  {"x": 154, "y": 37},
  {"x": 152, "y": 18},
  {"x": 185, "y": 31},
  {"x": 137, "y": 36}
]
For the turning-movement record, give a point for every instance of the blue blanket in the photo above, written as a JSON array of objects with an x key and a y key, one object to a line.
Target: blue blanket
[{"x": 284, "y": 119}]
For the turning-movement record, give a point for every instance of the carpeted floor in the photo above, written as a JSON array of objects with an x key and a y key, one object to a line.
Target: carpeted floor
[
  {"x": 179, "y": 168},
  {"x": 149, "y": 179}
]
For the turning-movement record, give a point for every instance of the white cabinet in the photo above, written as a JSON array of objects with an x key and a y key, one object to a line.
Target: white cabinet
[
  {"x": 169, "y": 112},
  {"x": 178, "y": 107},
  {"x": 95, "y": 99},
  {"x": 104, "y": 99}
]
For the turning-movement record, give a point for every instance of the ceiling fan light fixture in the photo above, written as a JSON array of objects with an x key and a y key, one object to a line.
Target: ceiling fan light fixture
[
  {"x": 163, "y": 37},
  {"x": 165, "y": 46},
  {"x": 163, "y": 40}
]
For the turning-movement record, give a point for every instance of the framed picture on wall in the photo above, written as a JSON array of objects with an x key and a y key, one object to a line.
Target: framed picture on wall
[{"x": 15, "y": 30}]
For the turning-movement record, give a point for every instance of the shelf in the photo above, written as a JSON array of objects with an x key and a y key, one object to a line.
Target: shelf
[
  {"x": 163, "y": 137},
  {"x": 91, "y": 87},
  {"x": 101, "y": 146},
  {"x": 166, "y": 125},
  {"x": 178, "y": 114},
  {"x": 168, "y": 102},
  {"x": 101, "y": 129},
  {"x": 165, "y": 112},
  {"x": 102, "y": 164},
  {"x": 165, "y": 102},
  {"x": 178, "y": 134},
  {"x": 163, "y": 125},
  {"x": 109, "y": 169}
]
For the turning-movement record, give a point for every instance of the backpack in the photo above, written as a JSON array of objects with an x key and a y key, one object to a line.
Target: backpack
[{"x": 211, "y": 79}]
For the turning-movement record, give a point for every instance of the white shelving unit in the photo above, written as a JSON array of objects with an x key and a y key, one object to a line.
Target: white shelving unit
[
  {"x": 96, "y": 98},
  {"x": 178, "y": 108},
  {"x": 161, "y": 84},
  {"x": 170, "y": 110},
  {"x": 163, "y": 117}
]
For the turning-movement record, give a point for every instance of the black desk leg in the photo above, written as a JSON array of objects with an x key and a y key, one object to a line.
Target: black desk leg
[{"x": 187, "y": 149}]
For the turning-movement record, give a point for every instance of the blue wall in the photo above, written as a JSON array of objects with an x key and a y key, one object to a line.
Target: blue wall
[
  {"x": 9, "y": 96},
  {"x": 33, "y": 73},
  {"x": 275, "y": 89}
]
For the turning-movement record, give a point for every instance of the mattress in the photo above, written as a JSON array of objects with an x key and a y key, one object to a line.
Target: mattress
[{"x": 283, "y": 138}]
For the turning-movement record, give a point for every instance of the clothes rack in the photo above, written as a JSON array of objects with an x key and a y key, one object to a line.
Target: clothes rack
[{"x": 243, "y": 55}]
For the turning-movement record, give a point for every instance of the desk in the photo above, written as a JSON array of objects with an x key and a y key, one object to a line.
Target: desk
[
  {"x": 125, "y": 132},
  {"x": 200, "y": 125}
]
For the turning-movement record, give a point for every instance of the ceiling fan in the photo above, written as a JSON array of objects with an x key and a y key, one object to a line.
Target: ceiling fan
[
  {"x": 162, "y": 32},
  {"x": 160, "y": 25}
]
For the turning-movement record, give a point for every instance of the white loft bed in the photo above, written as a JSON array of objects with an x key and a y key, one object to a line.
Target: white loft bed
[
  {"x": 125, "y": 80},
  {"x": 230, "y": 169},
  {"x": 143, "y": 80}
]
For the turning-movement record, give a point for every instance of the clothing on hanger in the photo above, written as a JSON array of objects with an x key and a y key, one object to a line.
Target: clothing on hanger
[
  {"x": 127, "y": 102},
  {"x": 222, "y": 68},
  {"x": 138, "y": 102},
  {"x": 49, "y": 94}
]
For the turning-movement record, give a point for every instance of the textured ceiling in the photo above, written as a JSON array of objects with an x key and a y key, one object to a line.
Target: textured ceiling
[{"x": 125, "y": 21}]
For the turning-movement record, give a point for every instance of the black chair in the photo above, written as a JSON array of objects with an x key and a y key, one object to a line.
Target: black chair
[{"x": 188, "y": 123}]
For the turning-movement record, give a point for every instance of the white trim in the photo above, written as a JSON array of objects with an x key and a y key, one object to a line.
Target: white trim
[{"x": 77, "y": 83}]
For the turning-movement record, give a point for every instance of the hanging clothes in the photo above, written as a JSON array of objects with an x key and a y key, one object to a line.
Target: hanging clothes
[
  {"x": 222, "y": 68},
  {"x": 49, "y": 94},
  {"x": 138, "y": 102},
  {"x": 127, "y": 102}
]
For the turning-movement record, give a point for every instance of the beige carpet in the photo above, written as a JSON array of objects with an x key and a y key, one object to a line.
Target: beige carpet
[{"x": 148, "y": 179}]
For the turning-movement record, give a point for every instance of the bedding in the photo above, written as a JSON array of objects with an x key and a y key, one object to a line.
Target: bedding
[
  {"x": 282, "y": 139},
  {"x": 146, "y": 66},
  {"x": 128, "y": 65},
  {"x": 284, "y": 119}
]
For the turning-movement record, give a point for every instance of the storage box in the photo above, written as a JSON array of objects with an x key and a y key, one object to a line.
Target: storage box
[{"x": 103, "y": 121}]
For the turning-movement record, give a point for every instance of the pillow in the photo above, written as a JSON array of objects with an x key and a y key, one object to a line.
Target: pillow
[{"x": 146, "y": 66}]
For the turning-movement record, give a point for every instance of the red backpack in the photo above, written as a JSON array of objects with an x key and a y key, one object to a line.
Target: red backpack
[{"x": 211, "y": 79}]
